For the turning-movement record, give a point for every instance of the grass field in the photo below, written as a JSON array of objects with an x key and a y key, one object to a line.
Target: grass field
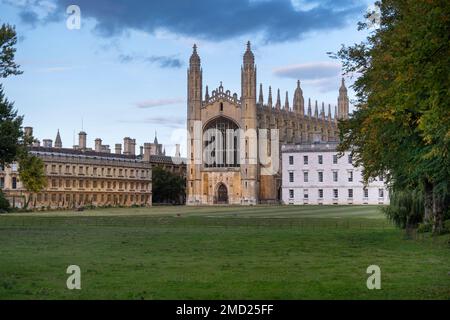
[{"x": 219, "y": 253}]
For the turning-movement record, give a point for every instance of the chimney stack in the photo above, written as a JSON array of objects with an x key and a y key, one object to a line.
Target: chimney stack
[
  {"x": 118, "y": 148},
  {"x": 48, "y": 143},
  {"x": 82, "y": 140},
  {"x": 98, "y": 145},
  {"x": 28, "y": 131},
  {"x": 147, "y": 151},
  {"x": 178, "y": 152},
  {"x": 129, "y": 146}
]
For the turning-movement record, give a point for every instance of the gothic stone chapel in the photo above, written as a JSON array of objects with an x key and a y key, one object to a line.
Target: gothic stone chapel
[{"x": 239, "y": 178}]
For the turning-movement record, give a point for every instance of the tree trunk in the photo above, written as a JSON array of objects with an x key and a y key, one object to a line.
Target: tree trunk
[
  {"x": 438, "y": 213},
  {"x": 428, "y": 202}
]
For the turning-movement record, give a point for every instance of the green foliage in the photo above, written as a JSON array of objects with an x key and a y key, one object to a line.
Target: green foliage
[
  {"x": 12, "y": 140},
  {"x": 401, "y": 126},
  {"x": 424, "y": 228},
  {"x": 406, "y": 208},
  {"x": 167, "y": 187},
  {"x": 32, "y": 174},
  {"x": 4, "y": 203},
  {"x": 8, "y": 40},
  {"x": 447, "y": 226}
]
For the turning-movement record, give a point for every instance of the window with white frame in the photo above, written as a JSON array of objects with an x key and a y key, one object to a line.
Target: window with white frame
[
  {"x": 320, "y": 193},
  {"x": 350, "y": 159},
  {"x": 366, "y": 193},
  {"x": 320, "y": 159},
  {"x": 305, "y": 160},
  {"x": 335, "y": 176},
  {"x": 350, "y": 193},
  {"x": 291, "y": 194},
  {"x": 291, "y": 160},
  {"x": 320, "y": 176},
  {"x": 381, "y": 193},
  {"x": 335, "y": 159},
  {"x": 291, "y": 176},
  {"x": 305, "y": 176},
  {"x": 305, "y": 194},
  {"x": 350, "y": 176},
  {"x": 335, "y": 193}
]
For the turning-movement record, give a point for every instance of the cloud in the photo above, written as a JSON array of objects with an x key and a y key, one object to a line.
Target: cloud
[
  {"x": 166, "y": 61},
  {"x": 309, "y": 71},
  {"x": 163, "y": 61},
  {"x": 169, "y": 122},
  {"x": 159, "y": 103},
  {"x": 323, "y": 75},
  {"x": 275, "y": 20}
]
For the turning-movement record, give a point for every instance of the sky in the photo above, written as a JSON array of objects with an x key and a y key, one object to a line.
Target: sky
[{"x": 123, "y": 72}]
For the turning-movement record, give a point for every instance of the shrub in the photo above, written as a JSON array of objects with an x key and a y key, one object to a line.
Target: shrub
[
  {"x": 4, "y": 203},
  {"x": 424, "y": 228},
  {"x": 446, "y": 226},
  {"x": 406, "y": 208}
]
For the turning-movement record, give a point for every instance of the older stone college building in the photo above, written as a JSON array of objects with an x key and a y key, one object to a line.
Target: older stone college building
[
  {"x": 245, "y": 181},
  {"x": 82, "y": 176}
]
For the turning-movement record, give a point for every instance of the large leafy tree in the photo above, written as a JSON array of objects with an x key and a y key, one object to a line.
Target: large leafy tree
[
  {"x": 167, "y": 187},
  {"x": 401, "y": 126},
  {"x": 13, "y": 141}
]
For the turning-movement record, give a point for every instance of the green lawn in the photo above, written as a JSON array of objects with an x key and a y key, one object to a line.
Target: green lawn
[{"x": 219, "y": 253}]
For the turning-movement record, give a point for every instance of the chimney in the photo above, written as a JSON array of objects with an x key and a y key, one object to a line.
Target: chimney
[
  {"x": 82, "y": 140},
  {"x": 147, "y": 151},
  {"x": 28, "y": 131},
  {"x": 118, "y": 148},
  {"x": 141, "y": 151},
  {"x": 98, "y": 145},
  {"x": 48, "y": 143},
  {"x": 36, "y": 143},
  {"x": 177, "y": 153},
  {"x": 129, "y": 146}
]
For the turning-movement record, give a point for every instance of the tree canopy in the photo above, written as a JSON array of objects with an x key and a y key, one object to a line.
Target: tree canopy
[{"x": 401, "y": 126}]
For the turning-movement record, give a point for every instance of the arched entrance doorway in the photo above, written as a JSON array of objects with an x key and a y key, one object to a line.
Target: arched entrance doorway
[{"x": 222, "y": 194}]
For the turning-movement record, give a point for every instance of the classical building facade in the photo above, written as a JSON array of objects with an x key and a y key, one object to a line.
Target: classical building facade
[
  {"x": 246, "y": 181},
  {"x": 313, "y": 174},
  {"x": 82, "y": 176}
]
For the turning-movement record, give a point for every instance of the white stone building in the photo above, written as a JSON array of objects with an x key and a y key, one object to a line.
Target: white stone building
[{"x": 313, "y": 174}]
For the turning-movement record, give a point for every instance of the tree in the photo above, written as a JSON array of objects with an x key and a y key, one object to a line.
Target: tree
[
  {"x": 401, "y": 126},
  {"x": 167, "y": 187},
  {"x": 12, "y": 138},
  {"x": 32, "y": 175},
  {"x": 13, "y": 141}
]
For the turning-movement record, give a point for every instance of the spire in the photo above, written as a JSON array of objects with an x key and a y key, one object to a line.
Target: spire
[
  {"x": 249, "y": 57},
  {"x": 343, "y": 102},
  {"x": 316, "y": 110},
  {"x": 278, "y": 104},
  {"x": 335, "y": 113},
  {"x": 286, "y": 103},
  {"x": 322, "y": 112},
  {"x": 270, "y": 102},
  {"x": 195, "y": 58},
  {"x": 343, "y": 88},
  {"x": 329, "y": 112},
  {"x": 207, "y": 93},
  {"x": 261, "y": 95},
  {"x": 299, "y": 102},
  {"x": 309, "y": 108},
  {"x": 58, "y": 142},
  {"x": 156, "y": 138}
]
